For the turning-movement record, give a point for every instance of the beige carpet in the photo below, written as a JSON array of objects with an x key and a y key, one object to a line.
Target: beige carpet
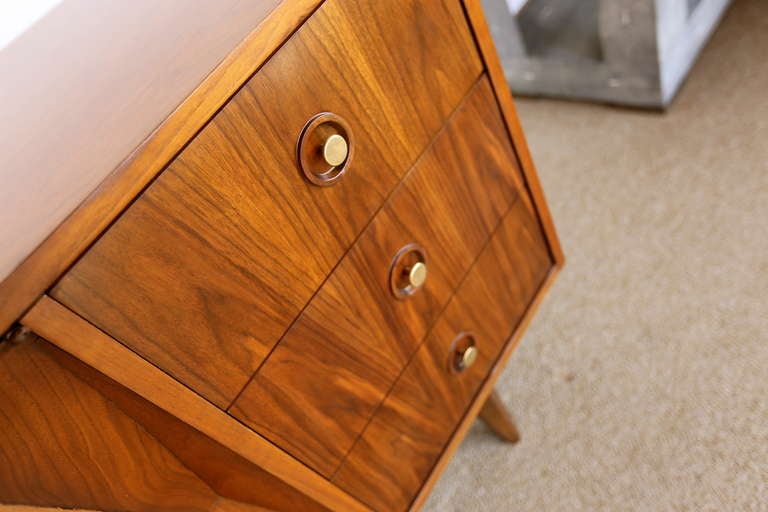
[{"x": 643, "y": 383}]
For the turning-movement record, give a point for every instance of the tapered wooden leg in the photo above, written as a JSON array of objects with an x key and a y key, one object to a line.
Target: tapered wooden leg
[{"x": 495, "y": 414}]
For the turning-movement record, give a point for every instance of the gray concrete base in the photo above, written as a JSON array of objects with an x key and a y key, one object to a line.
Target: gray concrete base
[{"x": 633, "y": 52}]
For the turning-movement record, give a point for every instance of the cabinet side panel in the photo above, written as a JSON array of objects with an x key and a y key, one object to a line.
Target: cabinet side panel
[{"x": 63, "y": 444}]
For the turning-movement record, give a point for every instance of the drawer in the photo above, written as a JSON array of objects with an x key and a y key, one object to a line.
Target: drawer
[
  {"x": 399, "y": 447},
  {"x": 207, "y": 269},
  {"x": 322, "y": 383}
]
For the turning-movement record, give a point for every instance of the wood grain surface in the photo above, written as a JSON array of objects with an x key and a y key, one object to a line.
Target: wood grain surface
[
  {"x": 203, "y": 274},
  {"x": 63, "y": 444},
  {"x": 485, "y": 390},
  {"x": 498, "y": 418},
  {"x": 33, "y": 276},
  {"x": 474, "y": 11},
  {"x": 492, "y": 64},
  {"x": 117, "y": 68},
  {"x": 398, "y": 449},
  {"x": 354, "y": 338},
  {"x": 72, "y": 334},
  {"x": 32, "y": 508},
  {"x": 211, "y": 297},
  {"x": 229, "y": 474},
  {"x": 227, "y": 505}
]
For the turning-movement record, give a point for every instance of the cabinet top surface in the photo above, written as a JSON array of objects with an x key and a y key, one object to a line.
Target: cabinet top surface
[{"x": 85, "y": 84}]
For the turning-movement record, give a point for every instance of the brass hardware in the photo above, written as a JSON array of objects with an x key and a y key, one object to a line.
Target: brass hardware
[
  {"x": 335, "y": 150},
  {"x": 417, "y": 274},
  {"x": 408, "y": 271},
  {"x": 467, "y": 358},
  {"x": 325, "y": 149},
  {"x": 463, "y": 352}
]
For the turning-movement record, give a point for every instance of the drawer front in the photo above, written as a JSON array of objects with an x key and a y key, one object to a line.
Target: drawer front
[
  {"x": 319, "y": 388},
  {"x": 206, "y": 270},
  {"x": 399, "y": 447}
]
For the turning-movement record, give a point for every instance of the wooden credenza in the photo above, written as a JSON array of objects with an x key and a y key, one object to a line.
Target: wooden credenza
[{"x": 298, "y": 302}]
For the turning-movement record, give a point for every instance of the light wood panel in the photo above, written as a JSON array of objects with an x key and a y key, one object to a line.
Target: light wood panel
[
  {"x": 355, "y": 337},
  {"x": 203, "y": 274},
  {"x": 116, "y": 68},
  {"x": 66, "y": 243},
  {"x": 63, "y": 444},
  {"x": 77, "y": 337},
  {"x": 405, "y": 438}
]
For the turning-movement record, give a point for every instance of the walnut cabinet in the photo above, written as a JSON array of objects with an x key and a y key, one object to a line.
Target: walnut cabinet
[{"x": 306, "y": 300}]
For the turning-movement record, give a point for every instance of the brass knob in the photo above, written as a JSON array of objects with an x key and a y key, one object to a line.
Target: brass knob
[
  {"x": 468, "y": 357},
  {"x": 417, "y": 274},
  {"x": 408, "y": 270},
  {"x": 335, "y": 150},
  {"x": 325, "y": 148}
]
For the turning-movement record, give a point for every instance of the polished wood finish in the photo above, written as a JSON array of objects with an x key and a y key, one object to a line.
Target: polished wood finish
[
  {"x": 39, "y": 270},
  {"x": 118, "y": 69},
  {"x": 63, "y": 444},
  {"x": 487, "y": 388},
  {"x": 482, "y": 34},
  {"x": 220, "y": 505},
  {"x": 495, "y": 414},
  {"x": 32, "y": 508},
  {"x": 495, "y": 72},
  {"x": 77, "y": 337},
  {"x": 229, "y": 474},
  {"x": 228, "y": 245},
  {"x": 226, "y": 505},
  {"x": 231, "y": 249},
  {"x": 398, "y": 449},
  {"x": 354, "y": 329}
]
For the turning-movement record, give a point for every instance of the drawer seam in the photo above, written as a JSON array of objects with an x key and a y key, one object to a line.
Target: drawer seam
[
  {"x": 428, "y": 332},
  {"x": 461, "y": 103}
]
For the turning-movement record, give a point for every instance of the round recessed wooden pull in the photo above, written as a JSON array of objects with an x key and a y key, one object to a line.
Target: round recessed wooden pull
[
  {"x": 408, "y": 271},
  {"x": 325, "y": 148},
  {"x": 463, "y": 353}
]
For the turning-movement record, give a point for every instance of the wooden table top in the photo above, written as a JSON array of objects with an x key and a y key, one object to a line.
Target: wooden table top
[{"x": 84, "y": 86}]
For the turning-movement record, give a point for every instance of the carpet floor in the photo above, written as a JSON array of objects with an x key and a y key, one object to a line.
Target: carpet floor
[{"x": 642, "y": 384}]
